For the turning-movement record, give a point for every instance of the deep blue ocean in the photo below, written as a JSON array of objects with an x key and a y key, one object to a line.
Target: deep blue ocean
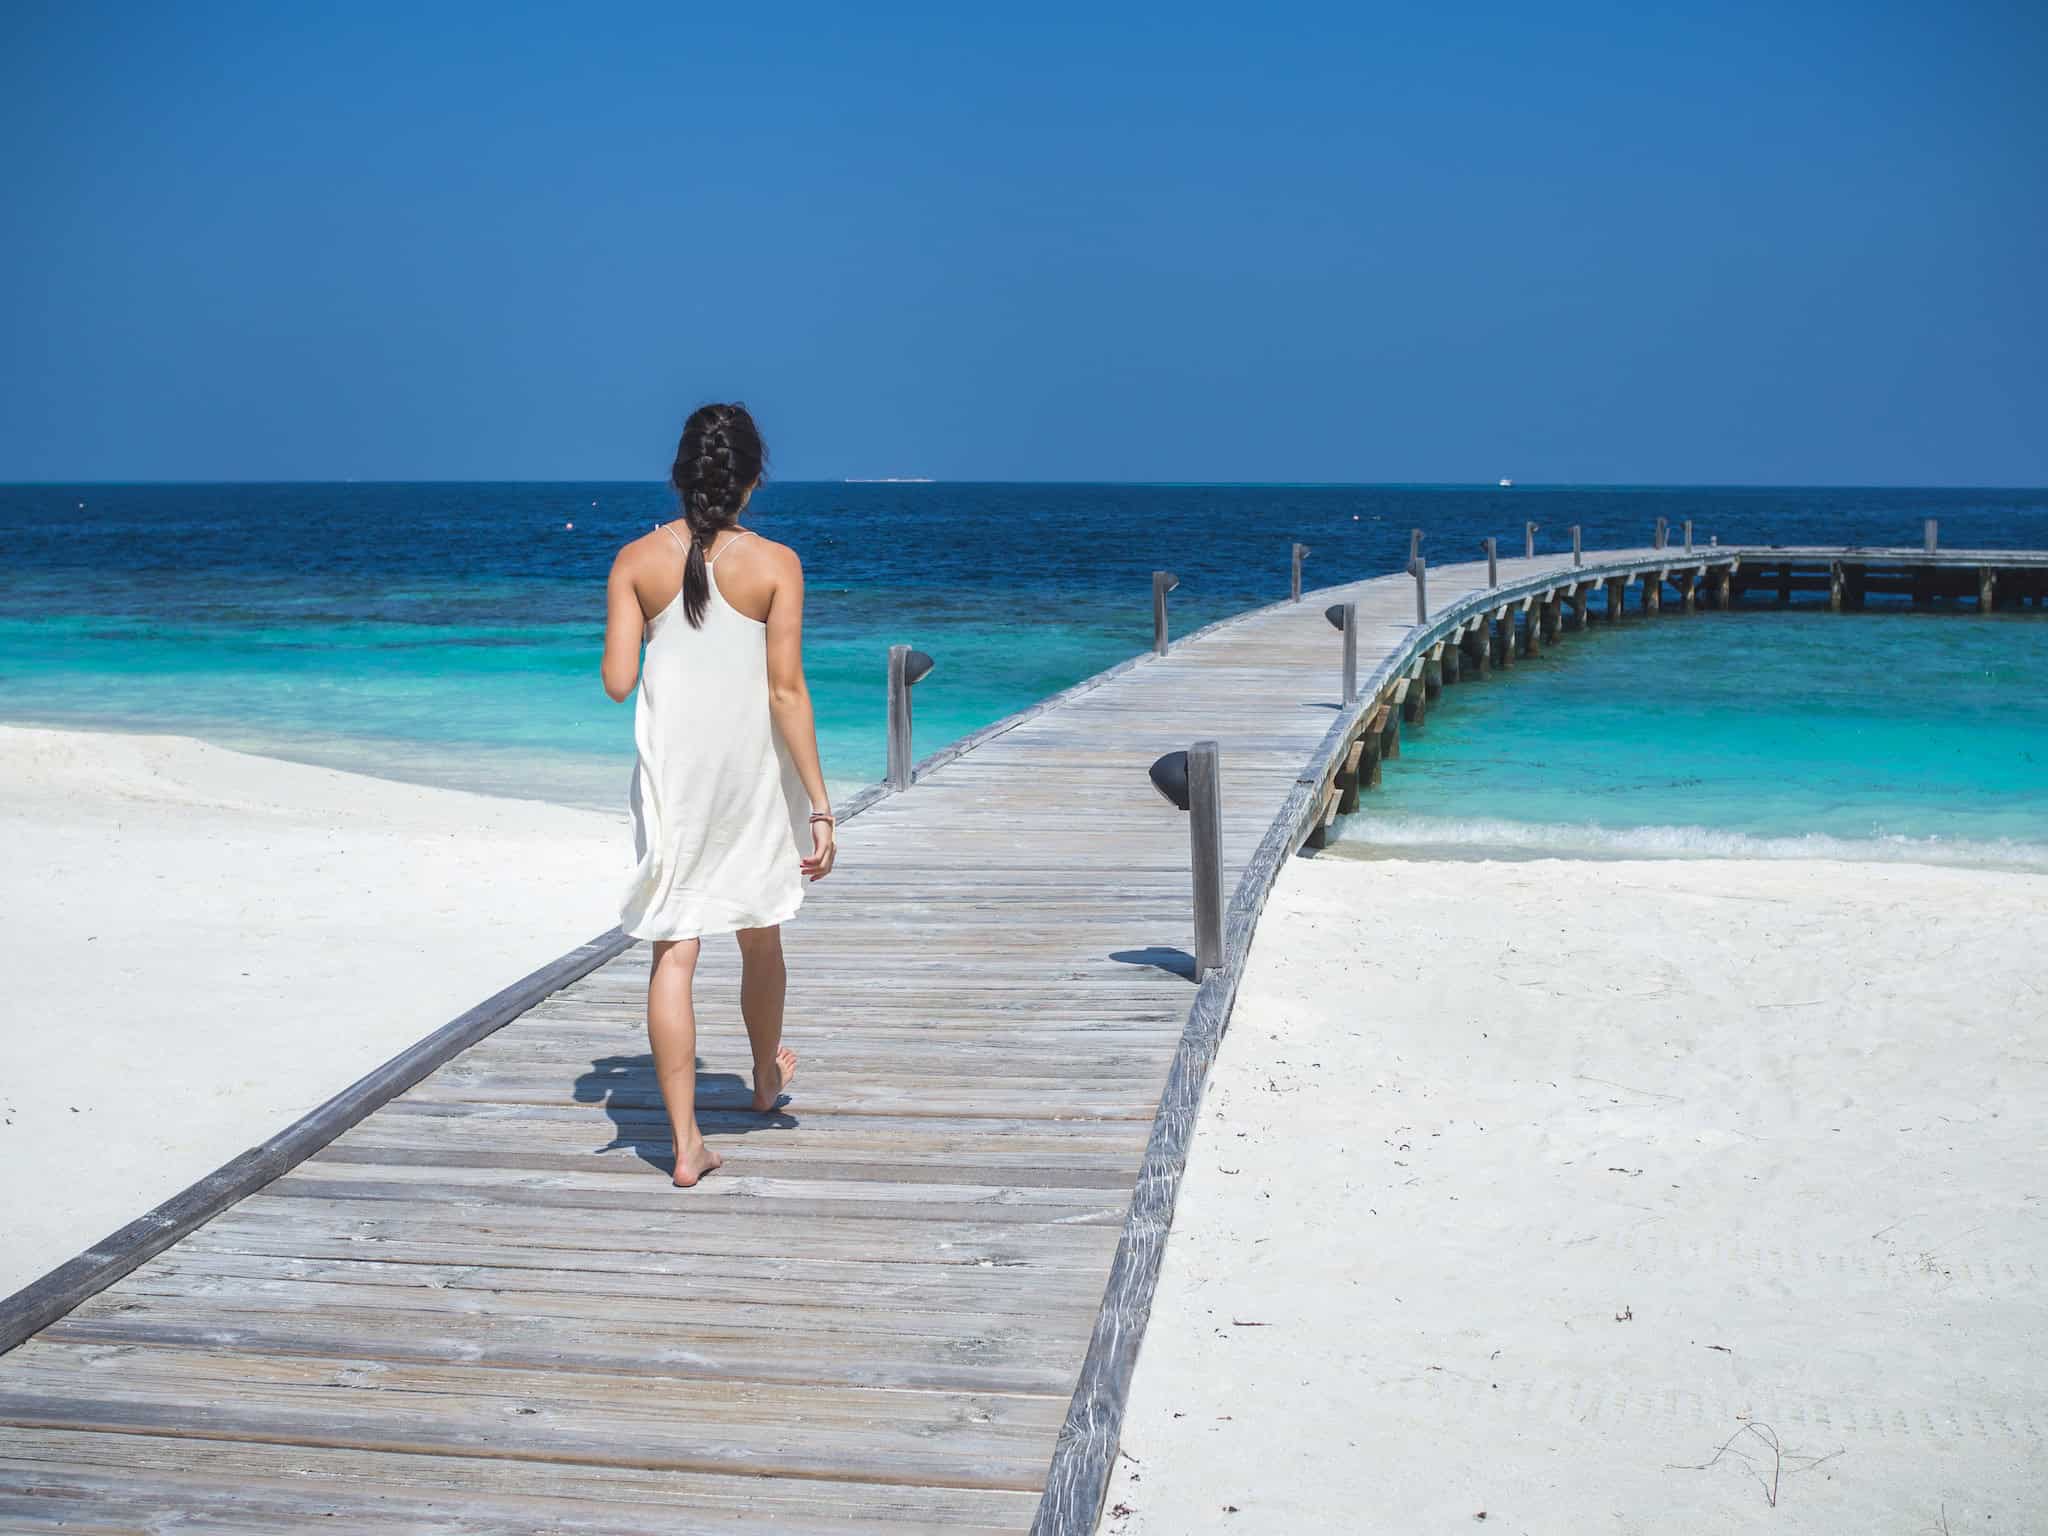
[{"x": 449, "y": 634}]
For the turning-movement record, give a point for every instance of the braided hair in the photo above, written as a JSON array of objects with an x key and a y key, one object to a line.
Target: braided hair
[{"x": 718, "y": 461}]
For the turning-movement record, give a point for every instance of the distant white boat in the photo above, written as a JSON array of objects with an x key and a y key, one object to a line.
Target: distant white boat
[{"x": 1505, "y": 484}]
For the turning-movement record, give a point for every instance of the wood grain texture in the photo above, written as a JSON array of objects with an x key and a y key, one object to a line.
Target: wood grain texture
[{"x": 463, "y": 1296}]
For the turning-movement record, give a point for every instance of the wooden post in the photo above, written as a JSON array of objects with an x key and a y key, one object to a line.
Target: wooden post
[
  {"x": 1478, "y": 644},
  {"x": 899, "y": 718},
  {"x": 1855, "y": 577},
  {"x": 1689, "y": 588},
  {"x": 1452, "y": 662},
  {"x": 1373, "y": 741},
  {"x": 1350, "y": 652},
  {"x": 1930, "y": 534},
  {"x": 1532, "y": 630},
  {"x": 1205, "y": 835},
  {"x": 1433, "y": 674},
  {"x": 1299, "y": 551},
  {"x": 1834, "y": 586},
  {"x": 1663, "y": 532},
  {"x": 1507, "y": 635},
  {"x": 1415, "y": 705},
  {"x": 1653, "y": 593},
  {"x": 1578, "y": 553},
  {"x": 1419, "y": 567},
  {"x": 1347, "y": 777},
  {"x": 1617, "y": 598},
  {"x": 1163, "y": 582},
  {"x": 1785, "y": 584},
  {"x": 1492, "y": 561},
  {"x": 1390, "y": 732},
  {"x": 1578, "y": 599},
  {"x": 1688, "y": 535},
  {"x": 1724, "y": 578},
  {"x": 1553, "y": 617},
  {"x": 1529, "y": 541},
  {"x": 1987, "y": 588}
]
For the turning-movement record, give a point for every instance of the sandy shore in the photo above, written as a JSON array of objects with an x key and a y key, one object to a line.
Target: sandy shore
[
  {"x": 1613, "y": 1197},
  {"x": 201, "y": 945}
]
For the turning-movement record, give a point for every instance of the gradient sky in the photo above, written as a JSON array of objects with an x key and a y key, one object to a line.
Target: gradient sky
[{"x": 1801, "y": 243}]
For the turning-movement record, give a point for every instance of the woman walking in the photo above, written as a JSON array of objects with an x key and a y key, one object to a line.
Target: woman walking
[{"x": 730, "y": 815}]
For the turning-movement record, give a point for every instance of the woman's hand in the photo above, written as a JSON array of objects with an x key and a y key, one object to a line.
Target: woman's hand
[{"x": 824, "y": 849}]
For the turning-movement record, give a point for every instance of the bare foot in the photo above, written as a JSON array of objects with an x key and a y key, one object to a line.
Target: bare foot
[
  {"x": 693, "y": 1163},
  {"x": 769, "y": 1084}
]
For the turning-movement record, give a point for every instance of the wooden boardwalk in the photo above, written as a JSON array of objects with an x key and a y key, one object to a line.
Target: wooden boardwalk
[{"x": 483, "y": 1309}]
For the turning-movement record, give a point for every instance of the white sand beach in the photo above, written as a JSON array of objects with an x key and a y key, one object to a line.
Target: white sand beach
[
  {"x": 201, "y": 945},
  {"x": 1636, "y": 1197}
]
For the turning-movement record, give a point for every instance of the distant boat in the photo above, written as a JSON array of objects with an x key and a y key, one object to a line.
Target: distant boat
[{"x": 1505, "y": 484}]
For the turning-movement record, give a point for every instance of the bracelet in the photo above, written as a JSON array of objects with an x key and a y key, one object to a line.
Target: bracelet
[{"x": 825, "y": 816}]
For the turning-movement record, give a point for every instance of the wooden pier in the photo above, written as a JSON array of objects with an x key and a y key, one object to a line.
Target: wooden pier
[{"x": 463, "y": 1296}]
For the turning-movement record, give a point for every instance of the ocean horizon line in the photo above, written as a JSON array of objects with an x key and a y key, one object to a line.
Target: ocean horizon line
[{"x": 1516, "y": 486}]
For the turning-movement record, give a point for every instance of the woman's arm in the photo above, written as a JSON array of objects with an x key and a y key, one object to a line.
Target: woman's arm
[
  {"x": 789, "y": 702},
  {"x": 624, "y": 627}
]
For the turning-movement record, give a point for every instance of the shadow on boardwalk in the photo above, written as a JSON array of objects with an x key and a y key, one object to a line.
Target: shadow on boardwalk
[{"x": 626, "y": 1087}]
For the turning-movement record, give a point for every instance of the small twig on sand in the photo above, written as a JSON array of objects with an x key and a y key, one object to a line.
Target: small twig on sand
[{"x": 1778, "y": 1458}]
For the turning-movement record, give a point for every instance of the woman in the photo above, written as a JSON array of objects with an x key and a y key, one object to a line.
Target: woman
[{"x": 728, "y": 794}]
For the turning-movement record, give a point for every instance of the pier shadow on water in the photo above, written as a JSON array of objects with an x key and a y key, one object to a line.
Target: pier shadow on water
[{"x": 626, "y": 1088}]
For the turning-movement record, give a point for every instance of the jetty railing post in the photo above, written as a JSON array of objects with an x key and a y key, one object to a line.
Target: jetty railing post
[
  {"x": 1578, "y": 552},
  {"x": 1191, "y": 782},
  {"x": 1688, "y": 535},
  {"x": 1492, "y": 561},
  {"x": 1350, "y": 652},
  {"x": 906, "y": 667},
  {"x": 1930, "y": 533},
  {"x": 1529, "y": 540},
  {"x": 1163, "y": 582},
  {"x": 1300, "y": 551},
  {"x": 1205, "y": 834},
  {"x": 1663, "y": 533},
  {"x": 1419, "y": 568}
]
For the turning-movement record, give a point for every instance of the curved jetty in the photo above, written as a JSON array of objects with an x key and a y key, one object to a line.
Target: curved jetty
[{"x": 462, "y": 1294}]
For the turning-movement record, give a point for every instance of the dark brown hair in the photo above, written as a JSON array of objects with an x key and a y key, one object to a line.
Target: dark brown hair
[{"x": 720, "y": 459}]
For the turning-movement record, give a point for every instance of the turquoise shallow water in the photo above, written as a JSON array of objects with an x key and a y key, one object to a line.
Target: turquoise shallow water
[
  {"x": 449, "y": 633},
  {"x": 1794, "y": 734}
]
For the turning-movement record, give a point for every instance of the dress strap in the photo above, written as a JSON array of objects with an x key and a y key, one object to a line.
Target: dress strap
[
  {"x": 664, "y": 527},
  {"x": 745, "y": 533}
]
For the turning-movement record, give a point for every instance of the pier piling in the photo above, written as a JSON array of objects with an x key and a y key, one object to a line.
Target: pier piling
[
  {"x": 1163, "y": 582},
  {"x": 906, "y": 668},
  {"x": 1300, "y": 552},
  {"x": 1205, "y": 847}
]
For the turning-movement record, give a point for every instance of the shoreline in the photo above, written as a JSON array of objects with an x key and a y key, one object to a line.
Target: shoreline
[
  {"x": 204, "y": 944},
  {"x": 1541, "y": 1187}
]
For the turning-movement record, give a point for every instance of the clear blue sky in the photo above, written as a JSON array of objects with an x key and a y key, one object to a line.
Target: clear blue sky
[{"x": 1798, "y": 243}]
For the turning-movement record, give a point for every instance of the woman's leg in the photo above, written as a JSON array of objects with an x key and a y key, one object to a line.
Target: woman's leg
[
  {"x": 763, "y": 981},
  {"x": 672, "y": 1032}
]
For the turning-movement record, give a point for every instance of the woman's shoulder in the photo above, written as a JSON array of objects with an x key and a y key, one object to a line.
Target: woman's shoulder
[
  {"x": 637, "y": 550},
  {"x": 769, "y": 555}
]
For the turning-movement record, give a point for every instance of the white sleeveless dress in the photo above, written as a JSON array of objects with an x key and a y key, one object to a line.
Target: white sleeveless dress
[{"x": 720, "y": 818}]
